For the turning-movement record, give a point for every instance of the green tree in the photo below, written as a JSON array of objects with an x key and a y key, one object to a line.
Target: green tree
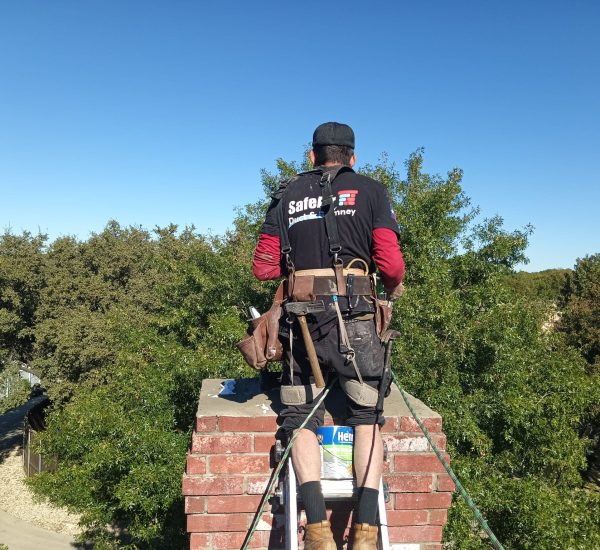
[
  {"x": 121, "y": 428},
  {"x": 511, "y": 395},
  {"x": 91, "y": 288},
  {"x": 580, "y": 323},
  {"x": 581, "y": 315},
  {"x": 121, "y": 445},
  {"x": 21, "y": 283}
]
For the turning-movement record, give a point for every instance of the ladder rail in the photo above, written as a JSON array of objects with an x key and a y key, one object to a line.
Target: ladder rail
[
  {"x": 291, "y": 508},
  {"x": 384, "y": 537}
]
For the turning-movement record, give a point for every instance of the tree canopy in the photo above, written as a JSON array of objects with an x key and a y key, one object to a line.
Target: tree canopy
[{"x": 543, "y": 285}]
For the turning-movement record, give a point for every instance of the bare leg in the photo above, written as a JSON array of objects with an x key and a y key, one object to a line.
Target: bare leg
[
  {"x": 368, "y": 456},
  {"x": 306, "y": 457}
]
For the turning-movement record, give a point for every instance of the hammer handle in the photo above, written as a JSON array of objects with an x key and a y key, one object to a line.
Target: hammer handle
[{"x": 312, "y": 354}]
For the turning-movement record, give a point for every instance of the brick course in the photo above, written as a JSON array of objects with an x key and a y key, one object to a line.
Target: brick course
[{"x": 216, "y": 444}]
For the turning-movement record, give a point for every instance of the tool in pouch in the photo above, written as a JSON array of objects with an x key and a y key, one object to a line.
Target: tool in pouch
[{"x": 301, "y": 310}]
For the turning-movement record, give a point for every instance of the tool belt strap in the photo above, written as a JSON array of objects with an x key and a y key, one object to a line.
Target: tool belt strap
[
  {"x": 329, "y": 272},
  {"x": 324, "y": 282}
]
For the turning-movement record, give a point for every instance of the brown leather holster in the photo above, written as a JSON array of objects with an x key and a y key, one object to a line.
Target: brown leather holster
[{"x": 262, "y": 345}]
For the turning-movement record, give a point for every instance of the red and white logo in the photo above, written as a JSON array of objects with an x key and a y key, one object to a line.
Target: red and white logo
[{"x": 347, "y": 197}]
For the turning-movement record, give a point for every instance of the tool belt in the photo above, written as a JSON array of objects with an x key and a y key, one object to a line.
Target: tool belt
[{"x": 307, "y": 284}]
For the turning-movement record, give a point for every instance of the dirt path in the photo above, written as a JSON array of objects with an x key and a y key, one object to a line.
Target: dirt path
[{"x": 23, "y": 522}]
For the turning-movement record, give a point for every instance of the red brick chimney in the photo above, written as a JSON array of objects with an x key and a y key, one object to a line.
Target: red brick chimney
[{"x": 229, "y": 466}]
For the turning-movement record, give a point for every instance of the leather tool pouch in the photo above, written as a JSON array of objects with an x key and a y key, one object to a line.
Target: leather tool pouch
[
  {"x": 304, "y": 289},
  {"x": 262, "y": 344},
  {"x": 383, "y": 315}
]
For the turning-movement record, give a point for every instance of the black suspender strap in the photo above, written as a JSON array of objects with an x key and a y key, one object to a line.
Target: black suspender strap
[
  {"x": 331, "y": 228},
  {"x": 335, "y": 246}
]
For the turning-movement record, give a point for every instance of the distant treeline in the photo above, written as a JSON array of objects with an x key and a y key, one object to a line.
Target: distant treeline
[
  {"x": 547, "y": 285},
  {"x": 123, "y": 326}
]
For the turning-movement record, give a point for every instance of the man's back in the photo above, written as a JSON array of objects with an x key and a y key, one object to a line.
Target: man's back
[{"x": 360, "y": 205}]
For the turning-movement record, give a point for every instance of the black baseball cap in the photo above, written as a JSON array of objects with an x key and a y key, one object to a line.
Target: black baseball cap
[{"x": 333, "y": 133}]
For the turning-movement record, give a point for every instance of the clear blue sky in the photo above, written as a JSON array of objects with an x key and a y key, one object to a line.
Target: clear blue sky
[{"x": 151, "y": 112}]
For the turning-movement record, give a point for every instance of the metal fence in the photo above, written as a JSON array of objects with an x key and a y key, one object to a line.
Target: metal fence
[{"x": 33, "y": 461}]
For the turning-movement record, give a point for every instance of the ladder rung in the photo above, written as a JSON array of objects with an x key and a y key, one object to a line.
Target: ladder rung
[{"x": 338, "y": 488}]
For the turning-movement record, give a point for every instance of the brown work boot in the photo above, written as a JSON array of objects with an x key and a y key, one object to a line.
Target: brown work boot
[
  {"x": 319, "y": 536},
  {"x": 365, "y": 536}
]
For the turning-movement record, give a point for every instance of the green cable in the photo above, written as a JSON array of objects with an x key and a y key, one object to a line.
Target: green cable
[
  {"x": 478, "y": 515},
  {"x": 277, "y": 471}
]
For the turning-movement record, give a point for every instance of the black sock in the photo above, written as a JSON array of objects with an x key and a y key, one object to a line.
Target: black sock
[
  {"x": 314, "y": 504},
  {"x": 367, "y": 506}
]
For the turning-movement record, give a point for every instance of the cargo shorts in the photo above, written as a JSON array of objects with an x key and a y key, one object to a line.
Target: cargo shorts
[{"x": 369, "y": 358}]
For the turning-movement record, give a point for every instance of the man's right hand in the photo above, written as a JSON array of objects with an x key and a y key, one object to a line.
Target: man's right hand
[{"x": 396, "y": 292}]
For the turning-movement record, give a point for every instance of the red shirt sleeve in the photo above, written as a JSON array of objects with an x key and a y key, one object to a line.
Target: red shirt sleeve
[
  {"x": 388, "y": 257},
  {"x": 265, "y": 264}
]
